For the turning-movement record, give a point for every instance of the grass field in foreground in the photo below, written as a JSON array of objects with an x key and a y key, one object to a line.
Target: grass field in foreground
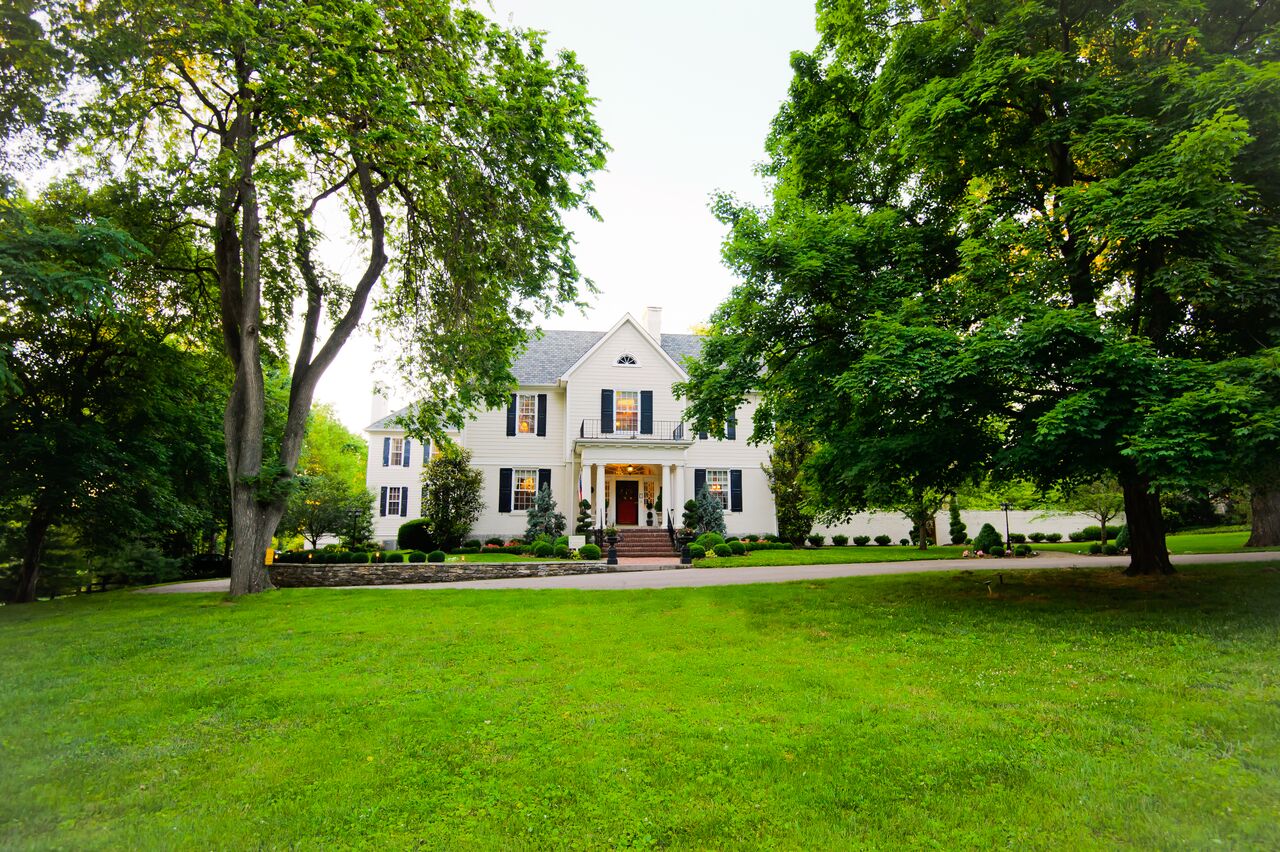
[{"x": 1073, "y": 709}]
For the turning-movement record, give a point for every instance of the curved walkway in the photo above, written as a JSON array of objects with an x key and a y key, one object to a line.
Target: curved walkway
[{"x": 669, "y": 578}]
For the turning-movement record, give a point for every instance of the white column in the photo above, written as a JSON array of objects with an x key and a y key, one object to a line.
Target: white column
[
  {"x": 667, "y": 495},
  {"x": 680, "y": 498},
  {"x": 597, "y": 506}
]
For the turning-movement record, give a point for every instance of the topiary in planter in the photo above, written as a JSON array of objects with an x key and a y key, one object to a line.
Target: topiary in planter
[{"x": 435, "y": 556}]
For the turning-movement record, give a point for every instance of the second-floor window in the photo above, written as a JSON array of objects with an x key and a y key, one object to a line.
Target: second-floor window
[
  {"x": 526, "y": 413},
  {"x": 626, "y": 411},
  {"x": 397, "y": 455}
]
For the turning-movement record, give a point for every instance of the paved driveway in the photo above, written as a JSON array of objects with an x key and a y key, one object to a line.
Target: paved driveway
[{"x": 665, "y": 579}]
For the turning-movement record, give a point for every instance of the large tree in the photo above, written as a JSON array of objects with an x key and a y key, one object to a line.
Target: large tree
[
  {"x": 999, "y": 233},
  {"x": 108, "y": 404},
  {"x": 450, "y": 144}
]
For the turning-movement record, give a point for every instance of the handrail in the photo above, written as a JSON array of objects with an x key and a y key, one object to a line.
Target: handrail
[{"x": 662, "y": 430}]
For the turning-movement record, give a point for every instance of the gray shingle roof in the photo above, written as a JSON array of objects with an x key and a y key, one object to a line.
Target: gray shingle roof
[{"x": 549, "y": 357}]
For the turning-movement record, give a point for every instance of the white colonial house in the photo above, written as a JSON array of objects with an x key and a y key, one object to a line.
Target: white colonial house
[{"x": 594, "y": 417}]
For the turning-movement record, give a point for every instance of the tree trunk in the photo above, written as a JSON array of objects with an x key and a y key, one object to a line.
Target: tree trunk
[
  {"x": 1147, "y": 551},
  {"x": 1265, "y": 508},
  {"x": 32, "y": 551}
]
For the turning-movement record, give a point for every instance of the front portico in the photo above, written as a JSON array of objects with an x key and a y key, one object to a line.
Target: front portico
[{"x": 625, "y": 470}]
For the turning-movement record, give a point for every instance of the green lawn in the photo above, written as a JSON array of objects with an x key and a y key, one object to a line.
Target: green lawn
[
  {"x": 1215, "y": 542},
  {"x": 1073, "y": 709},
  {"x": 492, "y": 557}
]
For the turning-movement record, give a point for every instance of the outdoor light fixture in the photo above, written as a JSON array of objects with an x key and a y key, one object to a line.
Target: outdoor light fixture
[{"x": 1005, "y": 507}]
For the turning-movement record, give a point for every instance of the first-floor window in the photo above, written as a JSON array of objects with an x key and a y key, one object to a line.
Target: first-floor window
[
  {"x": 393, "y": 501},
  {"x": 397, "y": 452},
  {"x": 718, "y": 485},
  {"x": 523, "y": 486}
]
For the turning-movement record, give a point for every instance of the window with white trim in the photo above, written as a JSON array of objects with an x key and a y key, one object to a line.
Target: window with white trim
[
  {"x": 718, "y": 485},
  {"x": 626, "y": 411},
  {"x": 393, "y": 501},
  {"x": 627, "y": 360},
  {"x": 524, "y": 484},
  {"x": 397, "y": 454},
  {"x": 526, "y": 413}
]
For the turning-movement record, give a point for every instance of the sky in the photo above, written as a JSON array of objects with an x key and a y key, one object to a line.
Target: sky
[{"x": 686, "y": 91}]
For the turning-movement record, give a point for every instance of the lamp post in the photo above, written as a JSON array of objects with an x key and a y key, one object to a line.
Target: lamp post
[{"x": 1005, "y": 507}]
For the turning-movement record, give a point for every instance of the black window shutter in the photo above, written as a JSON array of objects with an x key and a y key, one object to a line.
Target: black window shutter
[
  {"x": 646, "y": 412},
  {"x": 404, "y": 456},
  {"x": 542, "y": 415},
  {"x": 382, "y": 507},
  {"x": 699, "y": 480},
  {"x": 504, "y": 489},
  {"x": 511, "y": 416},
  {"x": 404, "y": 501},
  {"x": 735, "y": 491},
  {"x": 606, "y": 410},
  {"x": 426, "y": 452},
  {"x": 702, "y": 436},
  {"x": 386, "y": 451},
  {"x": 731, "y": 428},
  {"x": 544, "y": 477}
]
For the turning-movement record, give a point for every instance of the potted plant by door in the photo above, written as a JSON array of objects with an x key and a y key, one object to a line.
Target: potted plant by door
[
  {"x": 611, "y": 535},
  {"x": 648, "y": 513}
]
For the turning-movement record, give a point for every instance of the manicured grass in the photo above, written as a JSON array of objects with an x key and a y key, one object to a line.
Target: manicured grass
[
  {"x": 1072, "y": 709},
  {"x": 830, "y": 556},
  {"x": 492, "y": 557},
  {"x": 1217, "y": 542}
]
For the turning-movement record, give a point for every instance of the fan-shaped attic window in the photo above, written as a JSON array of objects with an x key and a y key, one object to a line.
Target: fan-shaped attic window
[{"x": 627, "y": 360}]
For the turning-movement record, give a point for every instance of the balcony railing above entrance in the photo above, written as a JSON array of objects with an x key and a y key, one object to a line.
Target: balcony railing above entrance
[{"x": 663, "y": 430}]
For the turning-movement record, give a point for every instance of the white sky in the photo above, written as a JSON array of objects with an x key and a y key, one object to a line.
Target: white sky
[{"x": 686, "y": 90}]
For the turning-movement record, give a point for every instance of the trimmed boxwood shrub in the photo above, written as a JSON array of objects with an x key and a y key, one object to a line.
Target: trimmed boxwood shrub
[
  {"x": 768, "y": 545},
  {"x": 589, "y": 551},
  {"x": 737, "y": 547},
  {"x": 417, "y": 556},
  {"x": 729, "y": 539},
  {"x": 1017, "y": 538},
  {"x": 471, "y": 542},
  {"x": 1054, "y": 537},
  {"x": 1022, "y": 550},
  {"x": 416, "y": 535},
  {"x": 771, "y": 537},
  {"x": 435, "y": 556},
  {"x": 998, "y": 550},
  {"x": 840, "y": 540},
  {"x": 1094, "y": 533},
  {"x": 1110, "y": 549},
  {"x": 1037, "y": 537},
  {"x": 1076, "y": 536},
  {"x": 722, "y": 550},
  {"x": 1095, "y": 549},
  {"x": 697, "y": 551},
  {"x": 816, "y": 540},
  {"x": 862, "y": 540},
  {"x": 883, "y": 540},
  {"x": 562, "y": 551},
  {"x": 543, "y": 549},
  {"x": 495, "y": 539},
  {"x": 904, "y": 541},
  {"x": 751, "y": 537},
  {"x": 709, "y": 540}
]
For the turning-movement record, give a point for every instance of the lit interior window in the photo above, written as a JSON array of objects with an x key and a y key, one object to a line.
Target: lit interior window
[
  {"x": 526, "y": 413},
  {"x": 718, "y": 485},
  {"x": 525, "y": 486},
  {"x": 626, "y": 408}
]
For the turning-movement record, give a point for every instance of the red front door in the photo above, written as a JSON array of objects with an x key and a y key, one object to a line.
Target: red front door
[{"x": 628, "y": 502}]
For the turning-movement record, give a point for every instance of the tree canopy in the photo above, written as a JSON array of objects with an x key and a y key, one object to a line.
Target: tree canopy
[{"x": 1002, "y": 235}]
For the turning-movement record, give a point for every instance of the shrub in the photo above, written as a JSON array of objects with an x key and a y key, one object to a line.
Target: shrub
[
  {"x": 416, "y": 535},
  {"x": 839, "y": 540},
  {"x": 771, "y": 537},
  {"x": 563, "y": 539},
  {"x": 452, "y": 496},
  {"x": 987, "y": 538},
  {"x": 1054, "y": 537},
  {"x": 417, "y": 556},
  {"x": 768, "y": 545},
  {"x": 435, "y": 556},
  {"x": 1094, "y": 533},
  {"x": 543, "y": 549},
  {"x": 465, "y": 550},
  {"x": 495, "y": 539},
  {"x": 731, "y": 538},
  {"x": 585, "y": 521},
  {"x": 751, "y": 537},
  {"x": 737, "y": 547},
  {"x": 1076, "y": 536},
  {"x": 710, "y": 512},
  {"x": 997, "y": 550},
  {"x": 862, "y": 540},
  {"x": 1037, "y": 537},
  {"x": 562, "y": 551},
  {"x": 1022, "y": 550},
  {"x": 471, "y": 542},
  {"x": 1017, "y": 538},
  {"x": 709, "y": 540},
  {"x": 904, "y": 541},
  {"x": 722, "y": 550},
  {"x": 1122, "y": 538},
  {"x": 957, "y": 530},
  {"x": 883, "y": 540},
  {"x": 1110, "y": 549},
  {"x": 589, "y": 551},
  {"x": 816, "y": 540},
  {"x": 697, "y": 551},
  {"x": 1095, "y": 549}
]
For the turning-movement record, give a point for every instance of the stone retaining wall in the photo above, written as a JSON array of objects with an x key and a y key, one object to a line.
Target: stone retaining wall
[{"x": 287, "y": 575}]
